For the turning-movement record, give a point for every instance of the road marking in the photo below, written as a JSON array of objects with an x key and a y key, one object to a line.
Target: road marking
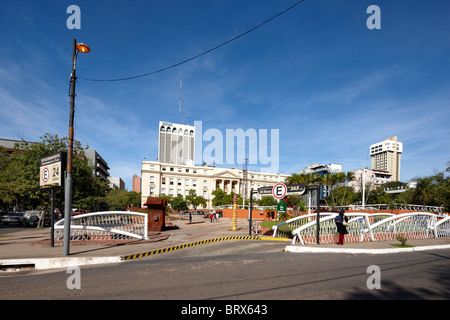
[{"x": 145, "y": 254}]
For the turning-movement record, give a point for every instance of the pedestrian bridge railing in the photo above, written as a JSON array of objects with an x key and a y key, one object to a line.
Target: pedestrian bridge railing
[
  {"x": 107, "y": 225},
  {"x": 364, "y": 227}
]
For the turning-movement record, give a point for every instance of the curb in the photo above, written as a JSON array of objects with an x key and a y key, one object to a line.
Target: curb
[
  {"x": 300, "y": 249},
  {"x": 53, "y": 263}
]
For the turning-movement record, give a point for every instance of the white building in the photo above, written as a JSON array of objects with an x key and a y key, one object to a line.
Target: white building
[
  {"x": 372, "y": 178},
  {"x": 176, "y": 179},
  {"x": 176, "y": 143},
  {"x": 322, "y": 168},
  {"x": 386, "y": 156}
]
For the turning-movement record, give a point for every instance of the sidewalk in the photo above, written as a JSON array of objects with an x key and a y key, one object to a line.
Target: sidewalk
[{"x": 31, "y": 248}]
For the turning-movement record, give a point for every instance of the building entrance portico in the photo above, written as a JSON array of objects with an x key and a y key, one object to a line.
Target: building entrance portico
[{"x": 228, "y": 182}]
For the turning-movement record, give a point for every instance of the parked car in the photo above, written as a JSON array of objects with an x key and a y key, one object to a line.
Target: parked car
[
  {"x": 13, "y": 217},
  {"x": 3, "y": 213},
  {"x": 31, "y": 218}
]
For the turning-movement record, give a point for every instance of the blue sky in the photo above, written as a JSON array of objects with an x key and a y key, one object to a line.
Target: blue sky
[{"x": 331, "y": 86}]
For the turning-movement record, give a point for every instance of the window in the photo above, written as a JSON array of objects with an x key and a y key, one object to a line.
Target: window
[
  {"x": 171, "y": 181},
  {"x": 187, "y": 182},
  {"x": 152, "y": 179},
  {"x": 194, "y": 183},
  {"x": 163, "y": 191},
  {"x": 179, "y": 182},
  {"x": 152, "y": 190},
  {"x": 205, "y": 194},
  {"x": 179, "y": 191},
  {"x": 171, "y": 192},
  {"x": 205, "y": 183},
  {"x": 163, "y": 180},
  {"x": 186, "y": 192}
]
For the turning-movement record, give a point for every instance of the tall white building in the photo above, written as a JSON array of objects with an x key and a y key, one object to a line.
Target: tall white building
[
  {"x": 176, "y": 143},
  {"x": 386, "y": 156}
]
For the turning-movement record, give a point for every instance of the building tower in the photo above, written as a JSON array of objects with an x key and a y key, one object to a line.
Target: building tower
[
  {"x": 176, "y": 143},
  {"x": 386, "y": 156}
]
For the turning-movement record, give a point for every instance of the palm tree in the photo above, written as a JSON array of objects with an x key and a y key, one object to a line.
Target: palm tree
[{"x": 350, "y": 176}]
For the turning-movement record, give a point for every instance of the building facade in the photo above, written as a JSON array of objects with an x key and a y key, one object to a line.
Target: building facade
[
  {"x": 174, "y": 179},
  {"x": 322, "y": 168},
  {"x": 372, "y": 178},
  {"x": 137, "y": 181},
  {"x": 176, "y": 143},
  {"x": 386, "y": 156},
  {"x": 116, "y": 183},
  {"x": 100, "y": 166}
]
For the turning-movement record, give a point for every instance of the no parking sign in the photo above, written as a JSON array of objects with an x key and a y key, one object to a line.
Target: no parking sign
[{"x": 279, "y": 191}]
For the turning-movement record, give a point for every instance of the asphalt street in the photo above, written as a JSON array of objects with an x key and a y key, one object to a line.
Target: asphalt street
[{"x": 243, "y": 270}]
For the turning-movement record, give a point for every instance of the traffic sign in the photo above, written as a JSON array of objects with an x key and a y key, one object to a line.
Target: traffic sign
[
  {"x": 45, "y": 175},
  {"x": 296, "y": 189},
  {"x": 265, "y": 191},
  {"x": 279, "y": 191},
  {"x": 51, "y": 170},
  {"x": 282, "y": 207}
]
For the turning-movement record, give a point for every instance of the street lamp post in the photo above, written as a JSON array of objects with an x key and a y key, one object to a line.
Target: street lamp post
[{"x": 80, "y": 47}]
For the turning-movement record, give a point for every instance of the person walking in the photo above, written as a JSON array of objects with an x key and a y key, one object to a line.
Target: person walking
[{"x": 341, "y": 221}]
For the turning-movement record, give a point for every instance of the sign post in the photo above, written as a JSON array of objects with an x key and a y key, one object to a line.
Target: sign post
[
  {"x": 234, "y": 212},
  {"x": 51, "y": 178}
]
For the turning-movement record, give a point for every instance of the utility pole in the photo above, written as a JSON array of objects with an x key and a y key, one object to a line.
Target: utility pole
[{"x": 68, "y": 183}]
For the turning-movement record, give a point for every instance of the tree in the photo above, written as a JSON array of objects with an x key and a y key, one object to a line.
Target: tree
[
  {"x": 179, "y": 204},
  {"x": 195, "y": 200},
  {"x": 19, "y": 177},
  {"x": 221, "y": 198}
]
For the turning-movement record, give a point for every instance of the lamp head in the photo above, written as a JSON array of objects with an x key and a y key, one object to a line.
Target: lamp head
[{"x": 83, "y": 48}]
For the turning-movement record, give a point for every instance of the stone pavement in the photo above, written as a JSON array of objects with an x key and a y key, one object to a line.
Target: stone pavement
[{"x": 31, "y": 248}]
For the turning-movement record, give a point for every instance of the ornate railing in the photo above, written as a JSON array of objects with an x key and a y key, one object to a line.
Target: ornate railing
[
  {"x": 364, "y": 227},
  {"x": 108, "y": 225}
]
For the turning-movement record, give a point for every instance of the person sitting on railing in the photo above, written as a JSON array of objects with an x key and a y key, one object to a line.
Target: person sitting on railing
[{"x": 341, "y": 221}]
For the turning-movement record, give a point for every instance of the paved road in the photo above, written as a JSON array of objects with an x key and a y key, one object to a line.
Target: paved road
[{"x": 244, "y": 270}]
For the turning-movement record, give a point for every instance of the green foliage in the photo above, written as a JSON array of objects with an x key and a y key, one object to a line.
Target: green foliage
[
  {"x": 119, "y": 199},
  {"x": 179, "y": 204},
  {"x": 221, "y": 198},
  {"x": 19, "y": 177},
  {"x": 195, "y": 200}
]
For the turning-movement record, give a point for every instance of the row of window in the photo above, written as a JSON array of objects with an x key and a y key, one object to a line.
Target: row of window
[
  {"x": 171, "y": 181},
  {"x": 179, "y": 192},
  {"x": 190, "y": 170}
]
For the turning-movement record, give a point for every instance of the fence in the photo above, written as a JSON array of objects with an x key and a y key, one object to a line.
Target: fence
[
  {"x": 108, "y": 225},
  {"x": 364, "y": 227}
]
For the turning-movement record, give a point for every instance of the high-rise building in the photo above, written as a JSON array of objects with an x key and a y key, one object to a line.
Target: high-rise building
[
  {"x": 386, "y": 156},
  {"x": 176, "y": 143}
]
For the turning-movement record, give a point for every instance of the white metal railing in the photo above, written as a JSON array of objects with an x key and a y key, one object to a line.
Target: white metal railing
[
  {"x": 443, "y": 227},
  {"x": 364, "y": 227},
  {"x": 412, "y": 225},
  {"x": 107, "y": 225}
]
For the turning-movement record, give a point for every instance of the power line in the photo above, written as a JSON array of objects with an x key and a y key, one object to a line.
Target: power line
[{"x": 199, "y": 55}]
